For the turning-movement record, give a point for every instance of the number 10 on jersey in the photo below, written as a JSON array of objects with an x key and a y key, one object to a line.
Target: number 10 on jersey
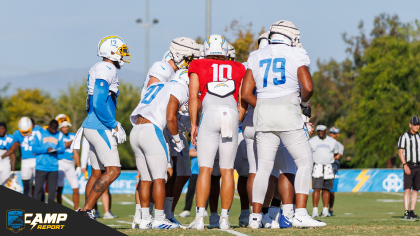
[{"x": 279, "y": 65}]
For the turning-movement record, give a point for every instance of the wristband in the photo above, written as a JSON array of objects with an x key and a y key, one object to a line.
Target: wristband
[
  {"x": 176, "y": 138},
  {"x": 304, "y": 104},
  {"x": 404, "y": 164}
]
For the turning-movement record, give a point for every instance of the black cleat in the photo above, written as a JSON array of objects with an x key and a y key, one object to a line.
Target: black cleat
[
  {"x": 407, "y": 215},
  {"x": 331, "y": 212},
  {"x": 413, "y": 215},
  {"x": 87, "y": 213}
]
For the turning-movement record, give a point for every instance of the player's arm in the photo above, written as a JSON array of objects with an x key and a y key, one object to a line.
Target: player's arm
[
  {"x": 12, "y": 161},
  {"x": 402, "y": 158},
  {"x": 11, "y": 150},
  {"x": 61, "y": 147},
  {"x": 37, "y": 147},
  {"x": 193, "y": 152},
  {"x": 242, "y": 106},
  {"x": 68, "y": 144},
  {"x": 152, "y": 80},
  {"x": 337, "y": 156},
  {"x": 248, "y": 86},
  {"x": 306, "y": 83},
  {"x": 76, "y": 157},
  {"x": 171, "y": 120},
  {"x": 193, "y": 105},
  {"x": 100, "y": 96}
]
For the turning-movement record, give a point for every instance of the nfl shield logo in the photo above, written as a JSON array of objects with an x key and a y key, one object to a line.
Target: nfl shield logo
[
  {"x": 15, "y": 220},
  {"x": 224, "y": 113}
]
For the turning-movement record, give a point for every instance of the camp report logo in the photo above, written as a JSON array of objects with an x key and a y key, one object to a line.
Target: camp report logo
[{"x": 17, "y": 219}]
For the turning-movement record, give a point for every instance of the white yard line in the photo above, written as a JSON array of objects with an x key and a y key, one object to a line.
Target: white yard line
[
  {"x": 237, "y": 197},
  {"x": 67, "y": 200},
  {"x": 233, "y": 232}
]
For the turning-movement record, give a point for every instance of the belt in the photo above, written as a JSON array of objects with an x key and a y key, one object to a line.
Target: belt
[{"x": 142, "y": 120}]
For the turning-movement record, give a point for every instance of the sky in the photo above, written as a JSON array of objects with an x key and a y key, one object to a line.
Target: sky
[{"x": 49, "y": 44}]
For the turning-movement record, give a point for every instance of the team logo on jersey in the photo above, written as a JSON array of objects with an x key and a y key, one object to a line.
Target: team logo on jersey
[
  {"x": 221, "y": 85},
  {"x": 15, "y": 220}
]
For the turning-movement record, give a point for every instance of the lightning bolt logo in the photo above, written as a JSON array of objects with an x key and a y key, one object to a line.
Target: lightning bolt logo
[{"x": 362, "y": 177}]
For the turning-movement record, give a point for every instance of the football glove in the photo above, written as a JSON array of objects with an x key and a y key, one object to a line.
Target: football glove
[
  {"x": 178, "y": 142},
  {"x": 119, "y": 135},
  {"x": 78, "y": 171},
  {"x": 306, "y": 109}
]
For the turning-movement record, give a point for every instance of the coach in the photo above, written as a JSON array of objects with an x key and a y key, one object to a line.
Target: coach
[
  {"x": 324, "y": 149},
  {"x": 408, "y": 150}
]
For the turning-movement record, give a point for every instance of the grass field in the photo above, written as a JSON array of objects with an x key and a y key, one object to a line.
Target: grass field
[{"x": 354, "y": 214}]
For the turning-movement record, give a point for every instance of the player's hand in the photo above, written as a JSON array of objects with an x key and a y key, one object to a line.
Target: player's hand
[
  {"x": 83, "y": 170},
  {"x": 49, "y": 149},
  {"x": 78, "y": 171},
  {"x": 310, "y": 128},
  {"x": 194, "y": 132},
  {"x": 119, "y": 134},
  {"x": 407, "y": 170},
  {"x": 306, "y": 109},
  {"x": 179, "y": 145}
]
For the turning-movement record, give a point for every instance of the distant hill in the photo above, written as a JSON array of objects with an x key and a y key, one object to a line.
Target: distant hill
[{"x": 54, "y": 81}]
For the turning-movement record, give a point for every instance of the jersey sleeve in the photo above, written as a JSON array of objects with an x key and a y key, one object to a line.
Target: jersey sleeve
[
  {"x": 161, "y": 71},
  {"x": 180, "y": 92},
  {"x": 104, "y": 72},
  {"x": 302, "y": 58},
  {"x": 9, "y": 141},
  {"x": 194, "y": 67},
  {"x": 16, "y": 136},
  {"x": 336, "y": 148},
  {"x": 401, "y": 142},
  {"x": 100, "y": 96},
  {"x": 340, "y": 148}
]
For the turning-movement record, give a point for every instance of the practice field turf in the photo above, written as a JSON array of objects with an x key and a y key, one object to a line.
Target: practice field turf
[{"x": 354, "y": 214}]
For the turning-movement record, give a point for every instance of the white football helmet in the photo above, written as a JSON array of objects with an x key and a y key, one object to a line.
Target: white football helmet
[
  {"x": 63, "y": 120},
  {"x": 114, "y": 48},
  {"x": 231, "y": 52},
  {"x": 284, "y": 32},
  {"x": 25, "y": 126},
  {"x": 181, "y": 76},
  {"x": 201, "y": 46},
  {"x": 183, "y": 51},
  {"x": 215, "y": 45},
  {"x": 167, "y": 56},
  {"x": 263, "y": 40}
]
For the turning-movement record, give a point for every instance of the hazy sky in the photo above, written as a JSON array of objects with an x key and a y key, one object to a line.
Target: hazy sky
[{"x": 44, "y": 36}]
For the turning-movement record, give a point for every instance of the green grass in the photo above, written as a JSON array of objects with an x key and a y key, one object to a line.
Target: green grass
[{"x": 354, "y": 214}]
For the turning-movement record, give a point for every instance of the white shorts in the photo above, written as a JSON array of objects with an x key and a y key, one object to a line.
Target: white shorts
[
  {"x": 241, "y": 160},
  {"x": 183, "y": 164},
  {"x": 66, "y": 169},
  {"x": 151, "y": 151},
  {"x": 210, "y": 140},
  {"x": 103, "y": 149},
  {"x": 5, "y": 171},
  {"x": 27, "y": 168}
]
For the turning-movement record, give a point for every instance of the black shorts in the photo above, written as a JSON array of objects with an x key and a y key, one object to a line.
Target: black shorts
[
  {"x": 320, "y": 183},
  {"x": 413, "y": 180}
]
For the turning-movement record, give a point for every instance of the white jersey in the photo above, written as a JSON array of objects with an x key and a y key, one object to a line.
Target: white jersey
[
  {"x": 105, "y": 71},
  {"x": 153, "y": 105},
  {"x": 274, "y": 68},
  {"x": 162, "y": 71},
  {"x": 323, "y": 150}
]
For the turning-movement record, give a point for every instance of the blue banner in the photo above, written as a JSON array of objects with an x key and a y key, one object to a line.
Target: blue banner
[{"x": 350, "y": 180}]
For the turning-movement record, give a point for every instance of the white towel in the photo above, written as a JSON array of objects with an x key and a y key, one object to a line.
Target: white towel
[
  {"x": 328, "y": 172},
  {"x": 226, "y": 122},
  {"x": 317, "y": 172},
  {"x": 75, "y": 145}
]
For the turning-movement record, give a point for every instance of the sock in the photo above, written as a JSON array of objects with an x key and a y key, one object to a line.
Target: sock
[
  {"x": 288, "y": 210},
  {"x": 275, "y": 202},
  {"x": 167, "y": 207},
  {"x": 302, "y": 211},
  {"x": 200, "y": 211},
  {"x": 325, "y": 209},
  {"x": 294, "y": 206},
  {"x": 225, "y": 213},
  {"x": 172, "y": 214},
  {"x": 138, "y": 212},
  {"x": 159, "y": 214},
  {"x": 256, "y": 216},
  {"x": 151, "y": 208},
  {"x": 265, "y": 210},
  {"x": 145, "y": 214},
  {"x": 245, "y": 212},
  {"x": 273, "y": 211}
]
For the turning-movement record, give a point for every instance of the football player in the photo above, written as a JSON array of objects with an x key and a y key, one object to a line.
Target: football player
[
  {"x": 65, "y": 162},
  {"x": 100, "y": 128},
  {"x": 279, "y": 72},
  {"x": 6, "y": 142},
  {"x": 218, "y": 80},
  {"x": 158, "y": 108},
  {"x": 22, "y": 138}
]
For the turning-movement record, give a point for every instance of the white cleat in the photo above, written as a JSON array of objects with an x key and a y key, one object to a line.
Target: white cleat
[
  {"x": 255, "y": 221},
  {"x": 243, "y": 220},
  {"x": 276, "y": 221},
  {"x": 136, "y": 222},
  {"x": 266, "y": 221},
  {"x": 224, "y": 223},
  {"x": 146, "y": 223},
  {"x": 206, "y": 214},
  {"x": 214, "y": 221},
  {"x": 197, "y": 224},
  {"x": 173, "y": 220},
  {"x": 184, "y": 214},
  {"x": 109, "y": 215},
  {"x": 164, "y": 224},
  {"x": 306, "y": 221},
  {"x": 325, "y": 214}
]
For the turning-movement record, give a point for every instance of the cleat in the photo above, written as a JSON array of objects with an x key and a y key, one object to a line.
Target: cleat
[
  {"x": 146, "y": 223},
  {"x": 184, "y": 214},
  {"x": 109, "y": 215},
  {"x": 206, "y": 214},
  {"x": 306, "y": 221},
  {"x": 407, "y": 215},
  {"x": 267, "y": 221},
  {"x": 88, "y": 213},
  {"x": 96, "y": 213},
  {"x": 136, "y": 222},
  {"x": 255, "y": 221},
  {"x": 413, "y": 215},
  {"x": 274, "y": 213},
  {"x": 197, "y": 224},
  {"x": 214, "y": 221},
  {"x": 224, "y": 223},
  {"x": 243, "y": 220},
  {"x": 325, "y": 214},
  {"x": 330, "y": 212},
  {"x": 285, "y": 222},
  {"x": 164, "y": 224}
]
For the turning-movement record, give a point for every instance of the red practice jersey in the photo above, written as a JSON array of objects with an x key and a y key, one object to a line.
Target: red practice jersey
[{"x": 211, "y": 70}]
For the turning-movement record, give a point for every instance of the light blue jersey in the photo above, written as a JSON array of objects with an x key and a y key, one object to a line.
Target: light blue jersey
[
  {"x": 102, "y": 89},
  {"x": 25, "y": 142},
  {"x": 68, "y": 154},
  {"x": 6, "y": 142},
  {"x": 43, "y": 140}
]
